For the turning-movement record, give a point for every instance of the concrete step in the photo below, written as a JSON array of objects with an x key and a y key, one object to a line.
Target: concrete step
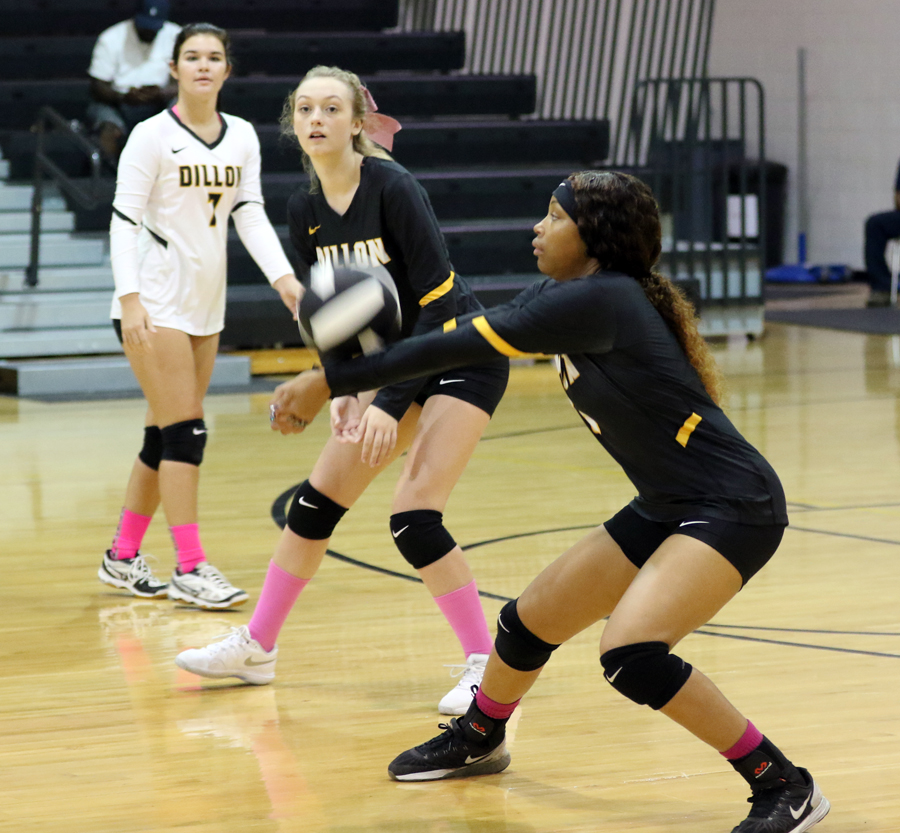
[
  {"x": 53, "y": 310},
  {"x": 19, "y": 222},
  {"x": 57, "y": 249},
  {"x": 60, "y": 279},
  {"x": 74, "y": 341},
  {"x": 102, "y": 374},
  {"x": 18, "y": 197},
  {"x": 4, "y": 168}
]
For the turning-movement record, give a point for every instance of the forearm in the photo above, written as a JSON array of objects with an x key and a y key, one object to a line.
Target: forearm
[{"x": 410, "y": 359}]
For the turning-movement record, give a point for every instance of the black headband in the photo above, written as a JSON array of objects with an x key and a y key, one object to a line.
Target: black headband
[{"x": 565, "y": 196}]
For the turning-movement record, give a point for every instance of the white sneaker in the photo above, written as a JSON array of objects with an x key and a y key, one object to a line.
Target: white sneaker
[
  {"x": 205, "y": 587},
  {"x": 457, "y": 700},
  {"x": 132, "y": 574},
  {"x": 237, "y": 655}
]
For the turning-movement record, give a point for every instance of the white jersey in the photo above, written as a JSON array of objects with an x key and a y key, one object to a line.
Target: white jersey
[
  {"x": 125, "y": 61},
  {"x": 168, "y": 235}
]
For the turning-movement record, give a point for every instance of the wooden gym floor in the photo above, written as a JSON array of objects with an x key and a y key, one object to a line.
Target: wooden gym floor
[{"x": 101, "y": 732}]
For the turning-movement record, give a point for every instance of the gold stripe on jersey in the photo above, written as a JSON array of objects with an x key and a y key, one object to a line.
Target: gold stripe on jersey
[
  {"x": 684, "y": 433},
  {"x": 449, "y": 325},
  {"x": 480, "y": 323},
  {"x": 442, "y": 290}
]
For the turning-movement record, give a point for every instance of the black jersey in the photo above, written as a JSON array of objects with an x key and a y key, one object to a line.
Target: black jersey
[
  {"x": 631, "y": 383},
  {"x": 390, "y": 222}
]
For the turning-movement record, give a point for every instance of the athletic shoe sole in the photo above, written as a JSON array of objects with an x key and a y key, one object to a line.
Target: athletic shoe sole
[
  {"x": 107, "y": 578},
  {"x": 179, "y": 596},
  {"x": 496, "y": 761},
  {"x": 252, "y": 679},
  {"x": 820, "y": 810}
]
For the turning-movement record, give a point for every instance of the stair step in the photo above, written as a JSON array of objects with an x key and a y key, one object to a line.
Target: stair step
[
  {"x": 60, "y": 279},
  {"x": 19, "y": 222},
  {"x": 18, "y": 198},
  {"x": 57, "y": 249},
  {"x": 106, "y": 374},
  {"x": 75, "y": 341},
  {"x": 49, "y": 310}
]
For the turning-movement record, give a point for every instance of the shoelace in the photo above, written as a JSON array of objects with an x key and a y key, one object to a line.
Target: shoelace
[
  {"x": 227, "y": 642},
  {"x": 140, "y": 568},
  {"x": 212, "y": 575}
]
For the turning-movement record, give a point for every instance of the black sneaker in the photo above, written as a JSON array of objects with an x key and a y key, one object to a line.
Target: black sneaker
[
  {"x": 785, "y": 807},
  {"x": 459, "y": 752}
]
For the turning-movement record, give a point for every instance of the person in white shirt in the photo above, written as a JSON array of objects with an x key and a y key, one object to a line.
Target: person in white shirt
[
  {"x": 129, "y": 74},
  {"x": 182, "y": 174}
]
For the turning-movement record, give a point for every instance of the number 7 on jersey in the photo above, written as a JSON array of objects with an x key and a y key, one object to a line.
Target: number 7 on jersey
[{"x": 214, "y": 199}]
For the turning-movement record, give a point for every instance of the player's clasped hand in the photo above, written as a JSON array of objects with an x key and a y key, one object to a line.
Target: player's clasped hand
[{"x": 297, "y": 402}]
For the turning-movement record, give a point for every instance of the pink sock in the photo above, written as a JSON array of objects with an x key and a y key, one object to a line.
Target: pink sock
[
  {"x": 280, "y": 591},
  {"x": 462, "y": 609},
  {"x": 187, "y": 546},
  {"x": 751, "y": 738},
  {"x": 129, "y": 534},
  {"x": 493, "y": 709}
]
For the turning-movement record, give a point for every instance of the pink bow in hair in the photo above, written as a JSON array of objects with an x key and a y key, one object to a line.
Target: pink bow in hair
[{"x": 378, "y": 128}]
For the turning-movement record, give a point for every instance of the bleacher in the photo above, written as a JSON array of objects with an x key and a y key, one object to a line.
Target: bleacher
[{"x": 487, "y": 163}]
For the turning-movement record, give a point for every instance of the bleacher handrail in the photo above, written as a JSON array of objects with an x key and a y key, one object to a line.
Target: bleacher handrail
[{"x": 87, "y": 195}]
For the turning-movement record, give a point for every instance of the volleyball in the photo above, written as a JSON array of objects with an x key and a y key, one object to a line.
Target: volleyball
[{"x": 349, "y": 310}]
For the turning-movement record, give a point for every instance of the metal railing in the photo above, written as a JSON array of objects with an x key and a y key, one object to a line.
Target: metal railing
[
  {"x": 588, "y": 55},
  {"x": 89, "y": 195},
  {"x": 700, "y": 145}
]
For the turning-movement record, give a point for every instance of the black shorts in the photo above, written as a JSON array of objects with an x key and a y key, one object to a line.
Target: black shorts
[
  {"x": 117, "y": 326},
  {"x": 481, "y": 385},
  {"x": 747, "y": 548}
]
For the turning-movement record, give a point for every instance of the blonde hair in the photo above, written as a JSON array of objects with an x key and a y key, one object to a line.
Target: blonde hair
[{"x": 361, "y": 143}]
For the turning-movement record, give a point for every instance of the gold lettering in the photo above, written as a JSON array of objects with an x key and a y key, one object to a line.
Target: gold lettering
[
  {"x": 229, "y": 176},
  {"x": 218, "y": 182},
  {"x": 377, "y": 254},
  {"x": 184, "y": 172},
  {"x": 206, "y": 181},
  {"x": 345, "y": 250},
  {"x": 360, "y": 253}
]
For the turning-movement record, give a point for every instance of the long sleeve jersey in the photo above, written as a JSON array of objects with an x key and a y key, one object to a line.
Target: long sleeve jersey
[
  {"x": 628, "y": 379},
  {"x": 391, "y": 223}
]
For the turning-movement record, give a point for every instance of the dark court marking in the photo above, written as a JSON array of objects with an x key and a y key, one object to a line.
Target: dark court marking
[{"x": 279, "y": 516}]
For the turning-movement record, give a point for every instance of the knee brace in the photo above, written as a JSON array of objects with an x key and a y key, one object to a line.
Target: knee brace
[
  {"x": 184, "y": 442},
  {"x": 151, "y": 452},
  {"x": 517, "y": 646},
  {"x": 420, "y": 536},
  {"x": 645, "y": 672},
  {"x": 313, "y": 515}
]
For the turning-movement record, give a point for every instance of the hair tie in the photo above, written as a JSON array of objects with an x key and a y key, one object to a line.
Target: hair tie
[{"x": 378, "y": 128}]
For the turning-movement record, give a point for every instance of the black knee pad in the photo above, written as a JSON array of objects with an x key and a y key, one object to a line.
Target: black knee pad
[
  {"x": 645, "y": 672},
  {"x": 517, "y": 646},
  {"x": 420, "y": 536},
  {"x": 313, "y": 515},
  {"x": 184, "y": 442},
  {"x": 151, "y": 452}
]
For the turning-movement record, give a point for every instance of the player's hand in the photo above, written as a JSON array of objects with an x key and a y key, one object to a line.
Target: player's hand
[
  {"x": 296, "y": 403},
  {"x": 136, "y": 324},
  {"x": 345, "y": 419},
  {"x": 378, "y": 431},
  {"x": 291, "y": 291}
]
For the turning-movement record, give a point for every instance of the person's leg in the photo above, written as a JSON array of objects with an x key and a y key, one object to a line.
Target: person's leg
[
  {"x": 336, "y": 482},
  {"x": 879, "y": 229},
  {"x": 578, "y": 589},
  {"x": 447, "y": 434},
  {"x": 682, "y": 586}
]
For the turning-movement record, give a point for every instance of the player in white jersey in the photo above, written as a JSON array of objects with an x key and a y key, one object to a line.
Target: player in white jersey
[{"x": 181, "y": 175}]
